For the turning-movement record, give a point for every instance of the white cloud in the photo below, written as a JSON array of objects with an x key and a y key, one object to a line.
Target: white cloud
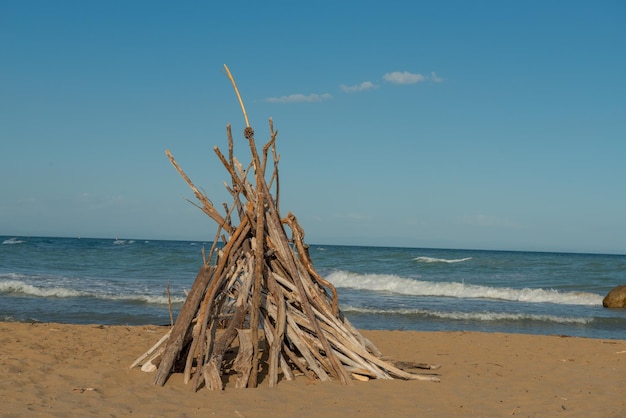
[
  {"x": 405, "y": 77},
  {"x": 299, "y": 98},
  {"x": 434, "y": 78},
  {"x": 366, "y": 85},
  {"x": 353, "y": 216}
]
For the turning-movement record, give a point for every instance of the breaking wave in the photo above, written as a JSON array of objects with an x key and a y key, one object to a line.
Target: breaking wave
[
  {"x": 11, "y": 241},
  {"x": 406, "y": 286},
  {"x": 17, "y": 287},
  {"x": 124, "y": 242},
  {"x": 441, "y": 260}
]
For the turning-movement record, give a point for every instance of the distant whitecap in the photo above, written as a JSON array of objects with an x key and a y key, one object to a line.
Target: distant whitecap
[
  {"x": 441, "y": 260},
  {"x": 12, "y": 241}
]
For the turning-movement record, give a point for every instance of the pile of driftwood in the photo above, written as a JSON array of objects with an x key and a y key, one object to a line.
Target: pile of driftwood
[{"x": 257, "y": 308}]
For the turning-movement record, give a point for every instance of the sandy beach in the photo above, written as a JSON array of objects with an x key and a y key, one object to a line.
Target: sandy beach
[{"x": 56, "y": 370}]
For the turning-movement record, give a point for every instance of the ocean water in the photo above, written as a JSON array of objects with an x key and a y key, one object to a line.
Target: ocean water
[{"x": 119, "y": 281}]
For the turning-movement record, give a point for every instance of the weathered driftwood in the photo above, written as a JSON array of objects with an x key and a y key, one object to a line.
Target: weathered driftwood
[{"x": 258, "y": 295}]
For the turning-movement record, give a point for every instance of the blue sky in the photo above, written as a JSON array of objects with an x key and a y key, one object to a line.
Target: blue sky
[{"x": 451, "y": 124}]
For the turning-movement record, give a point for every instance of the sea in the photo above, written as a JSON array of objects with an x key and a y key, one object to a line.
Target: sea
[{"x": 138, "y": 282}]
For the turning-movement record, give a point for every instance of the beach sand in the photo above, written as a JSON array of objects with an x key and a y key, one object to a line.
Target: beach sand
[{"x": 57, "y": 370}]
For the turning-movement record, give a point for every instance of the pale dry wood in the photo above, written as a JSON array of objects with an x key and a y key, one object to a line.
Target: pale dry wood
[
  {"x": 179, "y": 330},
  {"x": 275, "y": 334},
  {"x": 150, "y": 364},
  {"x": 243, "y": 361},
  {"x": 212, "y": 370},
  {"x": 151, "y": 350},
  {"x": 211, "y": 292},
  {"x": 263, "y": 290},
  {"x": 207, "y": 205},
  {"x": 271, "y": 339},
  {"x": 298, "y": 239},
  {"x": 232, "y": 80},
  {"x": 258, "y": 282},
  {"x": 294, "y": 336},
  {"x": 282, "y": 246}
]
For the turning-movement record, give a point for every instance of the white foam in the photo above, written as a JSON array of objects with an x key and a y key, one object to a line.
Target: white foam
[
  {"x": 441, "y": 260},
  {"x": 405, "y": 286},
  {"x": 150, "y": 299},
  {"x": 123, "y": 242},
  {"x": 474, "y": 316},
  {"x": 12, "y": 241},
  {"x": 17, "y": 286},
  {"x": 23, "y": 288}
]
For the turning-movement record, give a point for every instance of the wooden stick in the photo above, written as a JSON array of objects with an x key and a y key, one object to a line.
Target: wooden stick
[
  {"x": 213, "y": 368},
  {"x": 169, "y": 304},
  {"x": 175, "y": 341},
  {"x": 232, "y": 80},
  {"x": 207, "y": 206},
  {"x": 151, "y": 350},
  {"x": 243, "y": 362},
  {"x": 298, "y": 238},
  {"x": 278, "y": 332}
]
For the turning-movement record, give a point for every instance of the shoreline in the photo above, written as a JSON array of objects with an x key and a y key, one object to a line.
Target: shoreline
[{"x": 53, "y": 369}]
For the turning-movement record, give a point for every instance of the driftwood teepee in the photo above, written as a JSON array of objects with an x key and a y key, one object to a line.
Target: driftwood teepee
[{"x": 257, "y": 304}]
